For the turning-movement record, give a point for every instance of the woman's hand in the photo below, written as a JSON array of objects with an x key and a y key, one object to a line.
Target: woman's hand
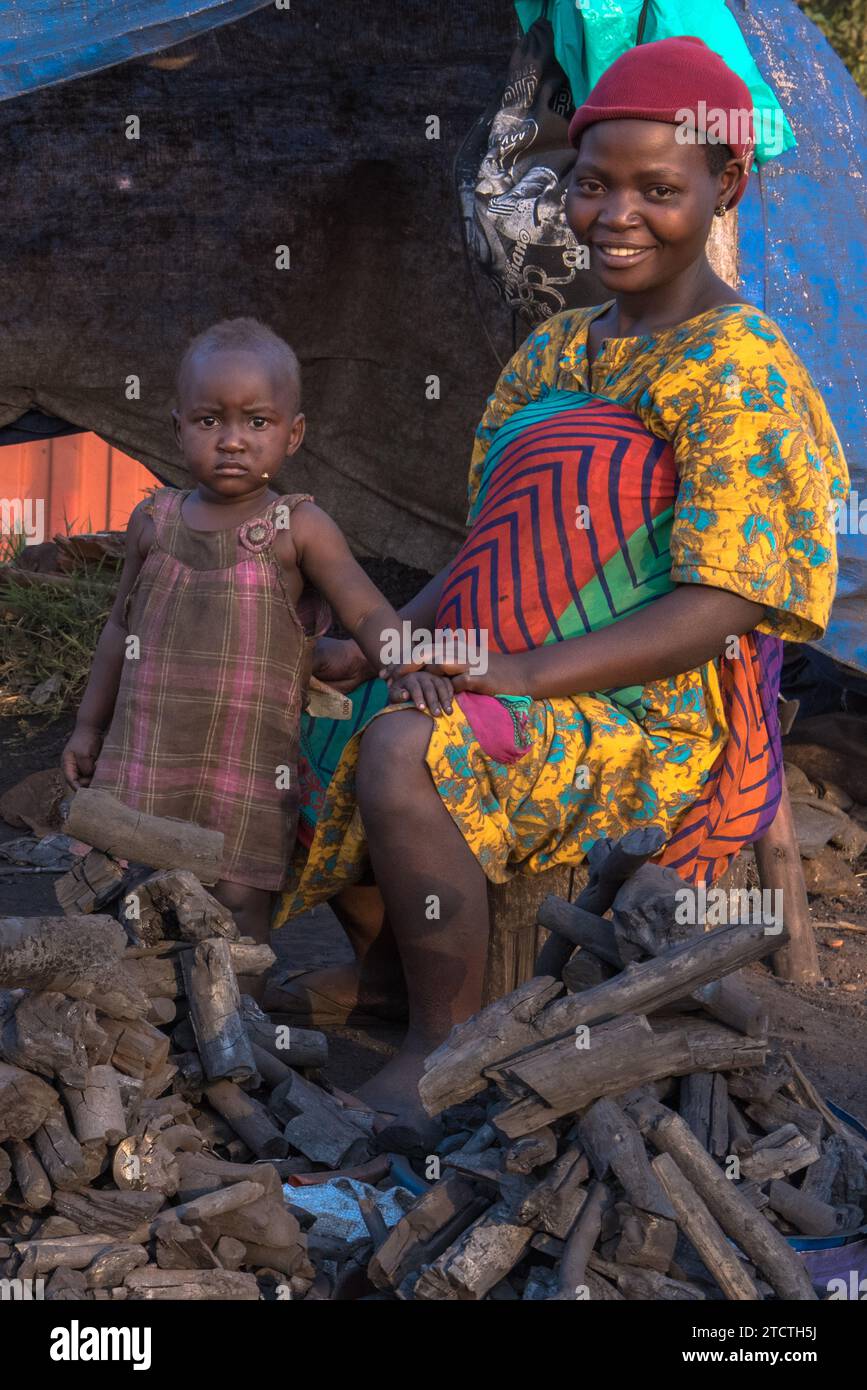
[
  {"x": 506, "y": 674},
  {"x": 421, "y": 688},
  {"x": 78, "y": 758},
  {"x": 341, "y": 664}
]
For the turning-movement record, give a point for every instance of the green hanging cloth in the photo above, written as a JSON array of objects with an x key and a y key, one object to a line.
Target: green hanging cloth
[{"x": 589, "y": 36}]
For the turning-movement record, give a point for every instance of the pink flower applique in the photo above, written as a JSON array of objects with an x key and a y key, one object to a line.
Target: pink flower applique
[{"x": 256, "y": 534}]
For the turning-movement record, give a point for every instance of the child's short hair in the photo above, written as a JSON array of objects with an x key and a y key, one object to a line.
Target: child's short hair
[{"x": 240, "y": 334}]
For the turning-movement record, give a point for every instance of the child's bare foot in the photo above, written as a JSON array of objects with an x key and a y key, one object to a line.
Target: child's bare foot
[{"x": 339, "y": 994}]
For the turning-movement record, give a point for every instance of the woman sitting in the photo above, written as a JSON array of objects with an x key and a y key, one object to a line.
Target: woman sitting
[{"x": 651, "y": 498}]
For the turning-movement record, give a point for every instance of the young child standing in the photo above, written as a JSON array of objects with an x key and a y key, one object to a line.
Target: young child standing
[{"x": 193, "y": 704}]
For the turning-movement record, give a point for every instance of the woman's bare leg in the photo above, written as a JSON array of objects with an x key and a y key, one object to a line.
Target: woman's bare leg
[
  {"x": 374, "y": 979},
  {"x": 251, "y": 909},
  {"x": 435, "y": 898}
]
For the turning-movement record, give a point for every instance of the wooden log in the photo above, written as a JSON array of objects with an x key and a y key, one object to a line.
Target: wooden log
[
  {"x": 531, "y": 1152},
  {"x": 772, "y": 1114},
  {"x": 807, "y": 1214},
  {"x": 760, "y": 1083},
  {"x": 646, "y": 1285},
  {"x": 110, "y": 1267},
  {"x": 162, "y": 1012},
  {"x": 580, "y": 1242},
  {"x": 483, "y": 1255},
  {"x": 137, "y": 1048},
  {"x": 269, "y": 1068},
  {"x": 61, "y": 954},
  {"x": 30, "y": 1175},
  {"x": 580, "y": 927},
  {"x": 99, "y": 819},
  {"x": 739, "y": 1134},
  {"x": 293, "y": 1047},
  {"x": 642, "y": 1237},
  {"x": 174, "y": 904},
  {"x": 66, "y": 1285},
  {"x": 649, "y": 986},
  {"x": 182, "y": 1247},
  {"x": 554, "y": 1203},
  {"x": 584, "y": 970},
  {"x": 107, "y": 1211},
  {"x": 186, "y": 1285},
  {"x": 249, "y": 1118},
  {"x": 818, "y": 1180},
  {"x": 208, "y": 1207},
  {"x": 613, "y": 1144},
  {"x": 317, "y": 1125},
  {"x": 646, "y": 912},
  {"x": 46, "y": 1032},
  {"x": 778, "y": 1160},
  {"x": 611, "y": 864},
  {"x": 765, "y": 1247},
  {"x": 251, "y": 958},
  {"x": 25, "y": 1102},
  {"x": 718, "y": 1138},
  {"x": 54, "y": 1226},
  {"x": 158, "y": 1081},
  {"x": 514, "y": 937},
  {"x": 96, "y": 1109},
  {"x": 453, "y": 1071},
  {"x": 218, "y": 1134},
  {"x": 431, "y": 1225},
  {"x": 143, "y": 1164},
  {"x": 69, "y": 1252},
  {"x": 265, "y": 1222},
  {"x": 700, "y": 1227},
  {"x": 67, "y": 1165},
  {"x": 90, "y": 884},
  {"x": 158, "y": 976},
  {"x": 779, "y": 865},
  {"x": 231, "y": 1253},
  {"x": 732, "y": 1002},
  {"x": 212, "y": 991},
  {"x": 560, "y": 1078},
  {"x": 696, "y": 1091},
  {"x": 290, "y": 1260}
]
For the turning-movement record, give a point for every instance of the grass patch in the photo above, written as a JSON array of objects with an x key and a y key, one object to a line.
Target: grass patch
[{"x": 49, "y": 633}]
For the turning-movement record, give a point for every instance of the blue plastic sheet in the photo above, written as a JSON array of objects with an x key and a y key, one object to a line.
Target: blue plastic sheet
[
  {"x": 803, "y": 260},
  {"x": 48, "y": 41}
]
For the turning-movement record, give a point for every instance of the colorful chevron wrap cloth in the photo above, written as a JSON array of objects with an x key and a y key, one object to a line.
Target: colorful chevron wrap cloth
[{"x": 570, "y": 532}]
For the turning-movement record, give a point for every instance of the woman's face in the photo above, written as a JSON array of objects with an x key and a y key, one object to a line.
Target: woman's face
[{"x": 642, "y": 202}]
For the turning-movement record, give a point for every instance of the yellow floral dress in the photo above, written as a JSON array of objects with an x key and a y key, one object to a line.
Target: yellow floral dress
[{"x": 757, "y": 470}]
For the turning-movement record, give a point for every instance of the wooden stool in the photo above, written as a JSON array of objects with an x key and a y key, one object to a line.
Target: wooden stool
[{"x": 515, "y": 938}]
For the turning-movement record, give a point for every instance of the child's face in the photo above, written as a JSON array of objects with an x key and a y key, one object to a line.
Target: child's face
[{"x": 237, "y": 420}]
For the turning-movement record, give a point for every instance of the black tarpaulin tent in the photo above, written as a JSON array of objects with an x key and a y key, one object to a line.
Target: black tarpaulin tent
[{"x": 305, "y": 128}]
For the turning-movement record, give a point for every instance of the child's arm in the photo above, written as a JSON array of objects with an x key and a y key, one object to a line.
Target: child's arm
[
  {"x": 97, "y": 706},
  {"x": 324, "y": 558}
]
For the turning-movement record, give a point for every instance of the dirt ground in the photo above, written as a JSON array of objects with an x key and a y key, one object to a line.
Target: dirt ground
[{"x": 824, "y": 1025}]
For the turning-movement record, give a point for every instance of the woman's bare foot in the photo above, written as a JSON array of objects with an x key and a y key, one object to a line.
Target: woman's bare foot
[{"x": 394, "y": 1093}]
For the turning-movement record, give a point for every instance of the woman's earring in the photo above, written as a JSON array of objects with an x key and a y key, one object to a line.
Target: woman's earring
[{"x": 721, "y": 210}]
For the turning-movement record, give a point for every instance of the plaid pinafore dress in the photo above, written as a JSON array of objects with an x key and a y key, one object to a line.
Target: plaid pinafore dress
[{"x": 206, "y": 722}]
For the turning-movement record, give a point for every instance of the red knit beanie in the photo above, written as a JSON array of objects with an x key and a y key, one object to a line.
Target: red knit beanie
[{"x": 660, "y": 81}]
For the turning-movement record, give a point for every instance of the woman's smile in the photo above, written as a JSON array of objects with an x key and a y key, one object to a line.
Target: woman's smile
[{"x": 616, "y": 257}]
